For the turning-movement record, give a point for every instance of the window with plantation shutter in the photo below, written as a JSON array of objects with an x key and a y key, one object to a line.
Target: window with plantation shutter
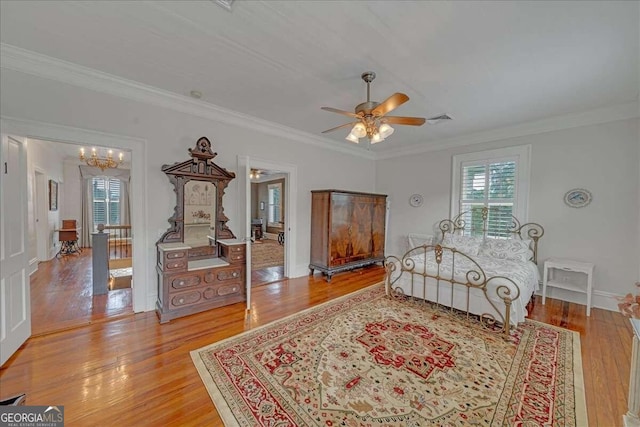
[
  {"x": 106, "y": 201},
  {"x": 274, "y": 216},
  {"x": 495, "y": 179}
]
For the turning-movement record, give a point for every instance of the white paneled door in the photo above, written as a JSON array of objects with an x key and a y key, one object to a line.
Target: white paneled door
[{"x": 15, "y": 306}]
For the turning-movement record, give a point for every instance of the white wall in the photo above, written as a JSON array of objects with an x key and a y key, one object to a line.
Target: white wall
[
  {"x": 72, "y": 208},
  {"x": 44, "y": 158},
  {"x": 169, "y": 134},
  {"x": 604, "y": 159}
]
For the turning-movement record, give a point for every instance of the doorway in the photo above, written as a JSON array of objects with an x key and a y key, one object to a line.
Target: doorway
[
  {"x": 289, "y": 233},
  {"x": 62, "y": 294},
  {"x": 268, "y": 225}
]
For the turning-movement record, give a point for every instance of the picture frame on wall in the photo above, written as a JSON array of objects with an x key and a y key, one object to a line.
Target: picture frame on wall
[{"x": 53, "y": 195}]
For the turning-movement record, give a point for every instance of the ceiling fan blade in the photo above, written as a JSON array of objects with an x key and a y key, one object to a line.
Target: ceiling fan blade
[
  {"x": 391, "y": 103},
  {"x": 411, "y": 121},
  {"x": 339, "y": 127},
  {"x": 335, "y": 110}
]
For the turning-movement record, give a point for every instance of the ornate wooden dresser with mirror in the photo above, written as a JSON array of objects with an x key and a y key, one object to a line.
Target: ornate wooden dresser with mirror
[{"x": 200, "y": 263}]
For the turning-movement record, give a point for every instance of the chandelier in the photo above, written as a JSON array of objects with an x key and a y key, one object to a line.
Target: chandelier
[
  {"x": 101, "y": 162},
  {"x": 254, "y": 174}
]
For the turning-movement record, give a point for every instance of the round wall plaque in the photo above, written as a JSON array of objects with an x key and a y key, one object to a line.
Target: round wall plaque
[{"x": 577, "y": 198}]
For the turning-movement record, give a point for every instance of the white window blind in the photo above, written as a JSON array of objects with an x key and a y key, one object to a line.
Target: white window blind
[
  {"x": 106, "y": 201},
  {"x": 488, "y": 184},
  {"x": 495, "y": 179},
  {"x": 275, "y": 204}
]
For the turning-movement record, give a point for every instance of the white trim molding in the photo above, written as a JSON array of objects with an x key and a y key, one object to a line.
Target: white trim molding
[
  {"x": 593, "y": 117},
  {"x": 28, "y": 62},
  {"x": 36, "y": 64}
]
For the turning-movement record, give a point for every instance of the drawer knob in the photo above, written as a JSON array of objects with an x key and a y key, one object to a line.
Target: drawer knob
[
  {"x": 181, "y": 300},
  {"x": 235, "y": 274},
  {"x": 181, "y": 282}
]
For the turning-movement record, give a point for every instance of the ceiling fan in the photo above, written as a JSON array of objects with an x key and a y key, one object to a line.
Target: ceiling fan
[{"x": 372, "y": 120}]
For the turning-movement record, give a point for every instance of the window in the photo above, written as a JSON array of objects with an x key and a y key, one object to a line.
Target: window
[
  {"x": 496, "y": 179},
  {"x": 274, "y": 216},
  {"x": 106, "y": 201}
]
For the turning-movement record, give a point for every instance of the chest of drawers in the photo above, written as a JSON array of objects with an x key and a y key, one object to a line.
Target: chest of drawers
[{"x": 186, "y": 287}]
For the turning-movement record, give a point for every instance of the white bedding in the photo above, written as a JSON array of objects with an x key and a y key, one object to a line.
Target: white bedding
[{"x": 524, "y": 274}]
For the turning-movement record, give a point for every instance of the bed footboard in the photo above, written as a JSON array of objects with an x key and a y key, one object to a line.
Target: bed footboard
[{"x": 449, "y": 278}]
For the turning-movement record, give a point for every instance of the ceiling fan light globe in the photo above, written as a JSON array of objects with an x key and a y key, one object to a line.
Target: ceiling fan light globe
[
  {"x": 377, "y": 138},
  {"x": 359, "y": 130},
  {"x": 385, "y": 130},
  {"x": 351, "y": 137}
]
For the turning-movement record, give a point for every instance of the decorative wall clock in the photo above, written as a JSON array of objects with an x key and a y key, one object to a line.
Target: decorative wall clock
[
  {"x": 577, "y": 198},
  {"x": 416, "y": 200}
]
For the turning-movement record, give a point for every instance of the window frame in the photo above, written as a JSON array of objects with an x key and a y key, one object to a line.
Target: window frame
[
  {"x": 520, "y": 154},
  {"x": 271, "y": 205},
  {"x": 107, "y": 200}
]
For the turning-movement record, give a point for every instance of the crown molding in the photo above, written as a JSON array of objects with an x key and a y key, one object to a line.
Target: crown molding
[
  {"x": 598, "y": 116},
  {"x": 36, "y": 64},
  {"x": 29, "y": 62}
]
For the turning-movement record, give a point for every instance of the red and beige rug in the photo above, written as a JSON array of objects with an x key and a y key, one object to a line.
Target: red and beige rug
[{"x": 367, "y": 360}]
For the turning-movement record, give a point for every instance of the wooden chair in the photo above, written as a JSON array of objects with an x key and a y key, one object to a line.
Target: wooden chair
[{"x": 68, "y": 236}]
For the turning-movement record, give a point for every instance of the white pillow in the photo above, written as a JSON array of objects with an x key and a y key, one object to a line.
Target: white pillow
[
  {"x": 509, "y": 249},
  {"x": 469, "y": 245},
  {"x": 415, "y": 239}
]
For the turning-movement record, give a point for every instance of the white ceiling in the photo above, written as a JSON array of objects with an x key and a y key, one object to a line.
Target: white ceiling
[{"x": 490, "y": 65}]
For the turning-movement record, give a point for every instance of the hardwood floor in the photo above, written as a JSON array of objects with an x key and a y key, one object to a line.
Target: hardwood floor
[
  {"x": 62, "y": 296},
  {"x": 134, "y": 371},
  {"x": 264, "y": 276}
]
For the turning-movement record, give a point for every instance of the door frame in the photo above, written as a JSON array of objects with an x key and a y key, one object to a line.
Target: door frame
[
  {"x": 42, "y": 217},
  {"x": 290, "y": 172},
  {"x": 143, "y": 297}
]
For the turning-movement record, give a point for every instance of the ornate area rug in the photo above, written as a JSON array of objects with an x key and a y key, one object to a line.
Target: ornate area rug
[{"x": 367, "y": 360}]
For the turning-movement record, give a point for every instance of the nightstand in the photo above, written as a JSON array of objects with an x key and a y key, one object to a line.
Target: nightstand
[{"x": 568, "y": 265}]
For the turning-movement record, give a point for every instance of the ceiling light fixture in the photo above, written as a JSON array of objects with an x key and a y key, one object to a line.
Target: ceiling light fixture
[
  {"x": 101, "y": 162},
  {"x": 371, "y": 119},
  {"x": 254, "y": 174}
]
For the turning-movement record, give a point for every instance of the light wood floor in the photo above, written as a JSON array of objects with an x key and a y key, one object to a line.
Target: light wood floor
[
  {"x": 134, "y": 371},
  {"x": 62, "y": 296}
]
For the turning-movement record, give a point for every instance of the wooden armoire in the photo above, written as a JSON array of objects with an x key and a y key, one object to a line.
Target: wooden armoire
[{"x": 347, "y": 230}]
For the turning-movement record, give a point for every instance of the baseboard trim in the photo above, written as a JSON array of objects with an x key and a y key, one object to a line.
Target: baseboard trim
[{"x": 33, "y": 266}]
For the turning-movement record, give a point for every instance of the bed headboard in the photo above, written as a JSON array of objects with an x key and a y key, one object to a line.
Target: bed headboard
[{"x": 475, "y": 222}]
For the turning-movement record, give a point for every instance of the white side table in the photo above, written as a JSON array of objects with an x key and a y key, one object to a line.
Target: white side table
[
  {"x": 568, "y": 265},
  {"x": 632, "y": 417}
]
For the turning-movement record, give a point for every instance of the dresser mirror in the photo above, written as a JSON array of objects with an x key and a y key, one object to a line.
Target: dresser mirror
[
  {"x": 199, "y": 213},
  {"x": 198, "y": 219}
]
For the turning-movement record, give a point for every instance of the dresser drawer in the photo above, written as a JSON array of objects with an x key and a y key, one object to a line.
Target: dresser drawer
[
  {"x": 223, "y": 290},
  {"x": 175, "y": 265},
  {"x": 223, "y": 275},
  {"x": 235, "y": 249},
  {"x": 183, "y": 282},
  {"x": 235, "y": 257},
  {"x": 217, "y": 275},
  {"x": 173, "y": 255},
  {"x": 185, "y": 298}
]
